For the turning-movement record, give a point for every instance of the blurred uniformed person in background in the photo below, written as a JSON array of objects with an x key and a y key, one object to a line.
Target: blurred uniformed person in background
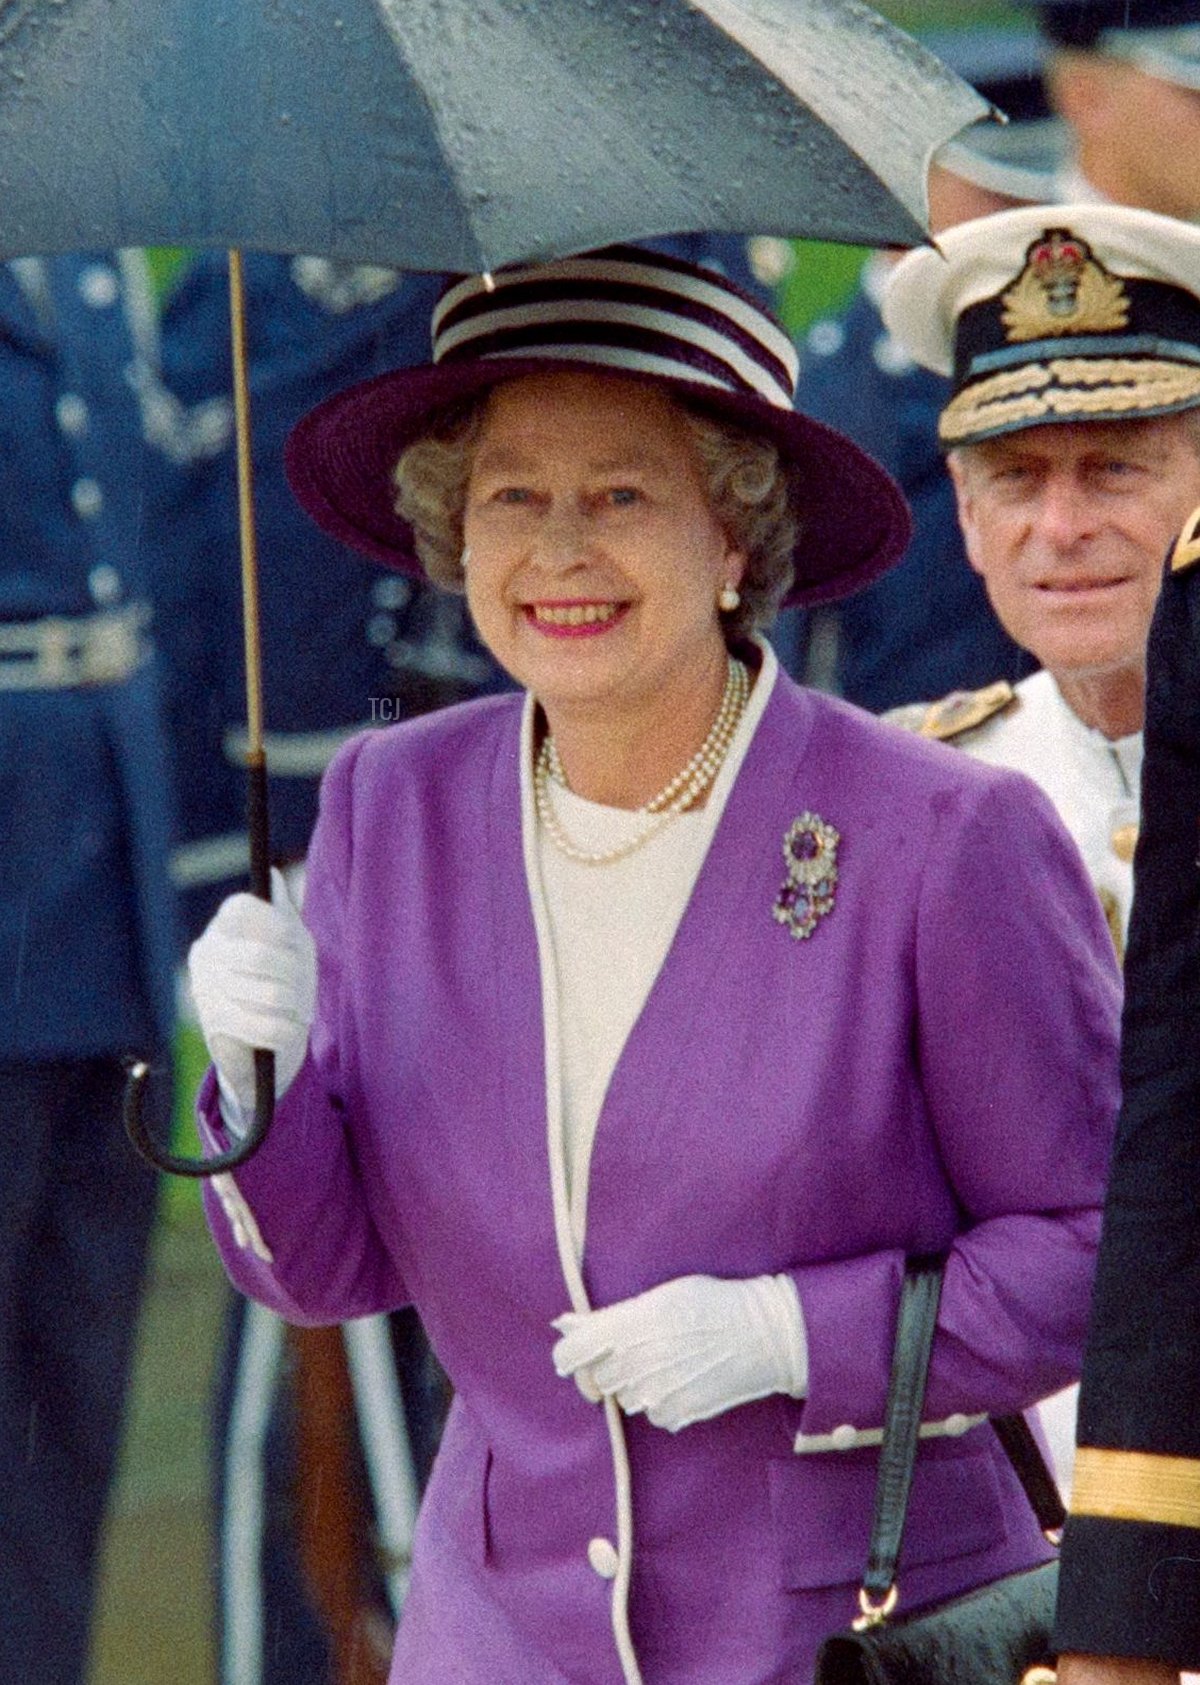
[
  {"x": 1130, "y": 1576},
  {"x": 1125, "y": 77},
  {"x": 1072, "y": 335},
  {"x": 87, "y": 944}
]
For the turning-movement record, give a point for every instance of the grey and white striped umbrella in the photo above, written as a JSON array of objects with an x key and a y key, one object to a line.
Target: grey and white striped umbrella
[{"x": 461, "y": 134}]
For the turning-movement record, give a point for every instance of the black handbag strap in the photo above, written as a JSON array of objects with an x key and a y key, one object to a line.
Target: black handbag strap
[
  {"x": 919, "y": 1295},
  {"x": 917, "y": 1320},
  {"x": 1025, "y": 1455}
]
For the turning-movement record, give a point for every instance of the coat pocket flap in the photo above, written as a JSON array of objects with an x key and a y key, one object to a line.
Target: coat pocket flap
[{"x": 821, "y": 1508}]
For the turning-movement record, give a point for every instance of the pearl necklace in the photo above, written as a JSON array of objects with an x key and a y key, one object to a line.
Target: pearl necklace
[{"x": 681, "y": 793}]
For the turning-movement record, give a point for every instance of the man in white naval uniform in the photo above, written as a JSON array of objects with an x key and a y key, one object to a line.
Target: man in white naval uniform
[{"x": 1073, "y": 439}]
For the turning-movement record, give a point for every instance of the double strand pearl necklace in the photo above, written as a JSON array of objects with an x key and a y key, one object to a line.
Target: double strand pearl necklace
[{"x": 683, "y": 791}]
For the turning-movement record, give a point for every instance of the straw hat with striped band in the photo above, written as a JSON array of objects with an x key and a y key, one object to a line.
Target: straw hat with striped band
[
  {"x": 643, "y": 315},
  {"x": 1054, "y": 313}
]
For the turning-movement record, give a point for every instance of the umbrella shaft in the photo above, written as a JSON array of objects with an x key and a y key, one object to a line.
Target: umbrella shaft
[{"x": 245, "y": 470}]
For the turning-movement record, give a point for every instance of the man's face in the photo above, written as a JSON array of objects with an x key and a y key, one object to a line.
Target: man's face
[{"x": 1068, "y": 524}]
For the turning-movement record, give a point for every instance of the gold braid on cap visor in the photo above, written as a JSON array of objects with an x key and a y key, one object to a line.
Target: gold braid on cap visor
[
  {"x": 1067, "y": 389},
  {"x": 1136, "y": 1486}
]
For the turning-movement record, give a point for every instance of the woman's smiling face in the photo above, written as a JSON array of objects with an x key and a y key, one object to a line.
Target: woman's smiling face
[{"x": 594, "y": 558}]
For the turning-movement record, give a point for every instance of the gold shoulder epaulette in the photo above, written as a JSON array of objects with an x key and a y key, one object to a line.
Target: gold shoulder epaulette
[
  {"x": 955, "y": 714},
  {"x": 963, "y": 710},
  {"x": 1187, "y": 547}
]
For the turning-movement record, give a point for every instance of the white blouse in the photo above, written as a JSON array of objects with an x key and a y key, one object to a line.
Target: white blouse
[{"x": 611, "y": 927}]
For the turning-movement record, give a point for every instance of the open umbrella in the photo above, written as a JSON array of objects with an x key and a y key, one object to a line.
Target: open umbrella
[
  {"x": 462, "y": 134},
  {"x": 451, "y": 135}
]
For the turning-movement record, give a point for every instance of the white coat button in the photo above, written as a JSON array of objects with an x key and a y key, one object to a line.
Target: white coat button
[
  {"x": 98, "y": 286},
  {"x": 956, "y": 1424},
  {"x": 603, "y": 1558},
  {"x": 104, "y": 582},
  {"x": 842, "y": 1438},
  {"x": 71, "y": 414},
  {"x": 87, "y": 499}
]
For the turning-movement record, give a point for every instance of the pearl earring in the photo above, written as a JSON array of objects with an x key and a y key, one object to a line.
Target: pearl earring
[
  {"x": 728, "y": 598},
  {"x": 465, "y": 557}
]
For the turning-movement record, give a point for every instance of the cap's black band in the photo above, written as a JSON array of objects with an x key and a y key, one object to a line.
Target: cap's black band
[{"x": 1160, "y": 316}]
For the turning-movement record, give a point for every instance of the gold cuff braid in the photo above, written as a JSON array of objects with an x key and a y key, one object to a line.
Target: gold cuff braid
[{"x": 1136, "y": 1486}]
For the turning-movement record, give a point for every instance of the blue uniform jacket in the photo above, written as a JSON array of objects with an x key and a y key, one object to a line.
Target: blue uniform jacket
[
  {"x": 1130, "y": 1579},
  {"x": 86, "y": 931}
]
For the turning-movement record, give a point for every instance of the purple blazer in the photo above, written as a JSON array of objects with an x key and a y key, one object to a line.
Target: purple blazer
[{"x": 934, "y": 1067}]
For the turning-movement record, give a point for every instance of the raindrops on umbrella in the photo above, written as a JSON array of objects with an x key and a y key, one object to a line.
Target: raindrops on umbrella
[{"x": 461, "y": 134}]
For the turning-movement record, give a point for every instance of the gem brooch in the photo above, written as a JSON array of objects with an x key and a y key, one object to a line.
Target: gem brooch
[{"x": 810, "y": 853}]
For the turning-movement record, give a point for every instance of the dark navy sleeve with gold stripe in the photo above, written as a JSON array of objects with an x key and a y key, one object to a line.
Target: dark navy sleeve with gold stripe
[{"x": 1130, "y": 1582}]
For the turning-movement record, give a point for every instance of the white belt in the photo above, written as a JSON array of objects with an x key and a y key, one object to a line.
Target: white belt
[{"x": 61, "y": 651}]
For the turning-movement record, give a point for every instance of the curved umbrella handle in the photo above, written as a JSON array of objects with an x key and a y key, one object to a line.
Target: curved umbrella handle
[
  {"x": 136, "y": 1128},
  {"x": 178, "y": 1164}
]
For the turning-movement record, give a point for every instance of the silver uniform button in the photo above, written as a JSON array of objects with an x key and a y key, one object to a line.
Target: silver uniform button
[
  {"x": 842, "y": 1438},
  {"x": 99, "y": 286},
  {"x": 771, "y": 259},
  {"x": 87, "y": 499},
  {"x": 603, "y": 1559},
  {"x": 890, "y": 357},
  {"x": 826, "y": 338},
  {"x": 391, "y": 592},
  {"x": 104, "y": 582},
  {"x": 71, "y": 413}
]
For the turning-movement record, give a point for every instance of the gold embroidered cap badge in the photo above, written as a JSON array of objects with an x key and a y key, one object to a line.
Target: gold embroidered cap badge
[
  {"x": 810, "y": 853},
  {"x": 1063, "y": 289}
]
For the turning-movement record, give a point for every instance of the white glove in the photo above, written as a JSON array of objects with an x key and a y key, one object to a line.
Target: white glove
[
  {"x": 253, "y": 976},
  {"x": 689, "y": 1349}
]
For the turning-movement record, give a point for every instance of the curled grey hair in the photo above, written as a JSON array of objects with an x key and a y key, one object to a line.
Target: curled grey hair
[{"x": 751, "y": 492}]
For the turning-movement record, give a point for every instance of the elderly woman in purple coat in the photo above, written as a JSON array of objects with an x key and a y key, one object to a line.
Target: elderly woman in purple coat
[{"x": 639, "y": 1024}]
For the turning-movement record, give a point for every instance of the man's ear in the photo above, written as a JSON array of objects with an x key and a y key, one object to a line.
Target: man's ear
[{"x": 960, "y": 479}]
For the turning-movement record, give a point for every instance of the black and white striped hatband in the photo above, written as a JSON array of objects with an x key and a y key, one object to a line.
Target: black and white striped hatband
[{"x": 637, "y": 313}]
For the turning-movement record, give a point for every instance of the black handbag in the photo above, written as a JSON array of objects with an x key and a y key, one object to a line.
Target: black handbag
[{"x": 998, "y": 1634}]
